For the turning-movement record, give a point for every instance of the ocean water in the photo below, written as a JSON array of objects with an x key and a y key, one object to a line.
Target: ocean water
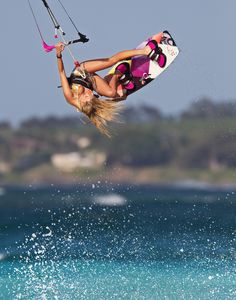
[{"x": 117, "y": 242}]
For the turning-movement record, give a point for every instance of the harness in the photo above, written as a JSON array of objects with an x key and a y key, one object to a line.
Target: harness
[
  {"x": 81, "y": 77},
  {"x": 77, "y": 77}
]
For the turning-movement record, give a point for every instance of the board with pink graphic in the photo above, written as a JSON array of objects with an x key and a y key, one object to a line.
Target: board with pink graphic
[{"x": 143, "y": 70}]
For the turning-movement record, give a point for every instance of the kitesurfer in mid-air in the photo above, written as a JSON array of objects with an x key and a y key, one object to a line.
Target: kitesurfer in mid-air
[
  {"x": 127, "y": 76},
  {"x": 79, "y": 88}
]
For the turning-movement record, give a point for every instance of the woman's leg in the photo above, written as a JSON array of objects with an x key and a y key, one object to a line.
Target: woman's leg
[
  {"x": 96, "y": 65},
  {"x": 105, "y": 88}
]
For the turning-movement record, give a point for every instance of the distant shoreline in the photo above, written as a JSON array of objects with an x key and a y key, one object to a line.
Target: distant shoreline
[{"x": 167, "y": 178}]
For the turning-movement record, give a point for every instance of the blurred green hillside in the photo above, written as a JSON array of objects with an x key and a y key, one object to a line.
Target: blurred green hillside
[{"x": 199, "y": 144}]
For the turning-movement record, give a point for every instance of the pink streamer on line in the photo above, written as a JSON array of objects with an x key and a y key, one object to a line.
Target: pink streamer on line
[{"x": 47, "y": 48}]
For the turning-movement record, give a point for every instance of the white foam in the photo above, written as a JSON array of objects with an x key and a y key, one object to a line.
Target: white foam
[
  {"x": 49, "y": 233},
  {"x": 2, "y": 256},
  {"x": 110, "y": 200},
  {"x": 2, "y": 191}
]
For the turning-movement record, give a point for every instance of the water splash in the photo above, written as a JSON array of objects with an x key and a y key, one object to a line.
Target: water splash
[{"x": 150, "y": 249}]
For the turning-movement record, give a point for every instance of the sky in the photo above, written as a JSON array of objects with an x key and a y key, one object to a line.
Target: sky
[{"x": 204, "y": 30}]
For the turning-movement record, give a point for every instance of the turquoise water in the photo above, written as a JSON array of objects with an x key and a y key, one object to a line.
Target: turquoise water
[
  {"x": 119, "y": 280},
  {"x": 117, "y": 243}
]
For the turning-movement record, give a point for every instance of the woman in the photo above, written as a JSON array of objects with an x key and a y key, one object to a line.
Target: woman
[{"x": 79, "y": 87}]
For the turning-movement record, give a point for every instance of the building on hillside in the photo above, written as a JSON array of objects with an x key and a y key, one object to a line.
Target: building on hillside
[{"x": 69, "y": 162}]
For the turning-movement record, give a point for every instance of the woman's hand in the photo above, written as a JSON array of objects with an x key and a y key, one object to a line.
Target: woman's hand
[{"x": 59, "y": 48}]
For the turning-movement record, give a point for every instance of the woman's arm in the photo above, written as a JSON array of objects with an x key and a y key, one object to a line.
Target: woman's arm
[{"x": 64, "y": 82}]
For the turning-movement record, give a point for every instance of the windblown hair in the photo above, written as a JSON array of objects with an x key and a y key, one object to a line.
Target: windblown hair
[
  {"x": 99, "y": 111},
  {"x": 102, "y": 111}
]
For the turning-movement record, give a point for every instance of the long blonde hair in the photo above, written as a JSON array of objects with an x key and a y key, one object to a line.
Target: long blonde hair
[
  {"x": 99, "y": 111},
  {"x": 102, "y": 111}
]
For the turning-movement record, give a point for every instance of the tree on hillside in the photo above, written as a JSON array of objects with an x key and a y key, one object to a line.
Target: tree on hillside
[
  {"x": 206, "y": 108},
  {"x": 141, "y": 114}
]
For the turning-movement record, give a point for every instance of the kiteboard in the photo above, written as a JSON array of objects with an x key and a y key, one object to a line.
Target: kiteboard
[{"x": 144, "y": 70}]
